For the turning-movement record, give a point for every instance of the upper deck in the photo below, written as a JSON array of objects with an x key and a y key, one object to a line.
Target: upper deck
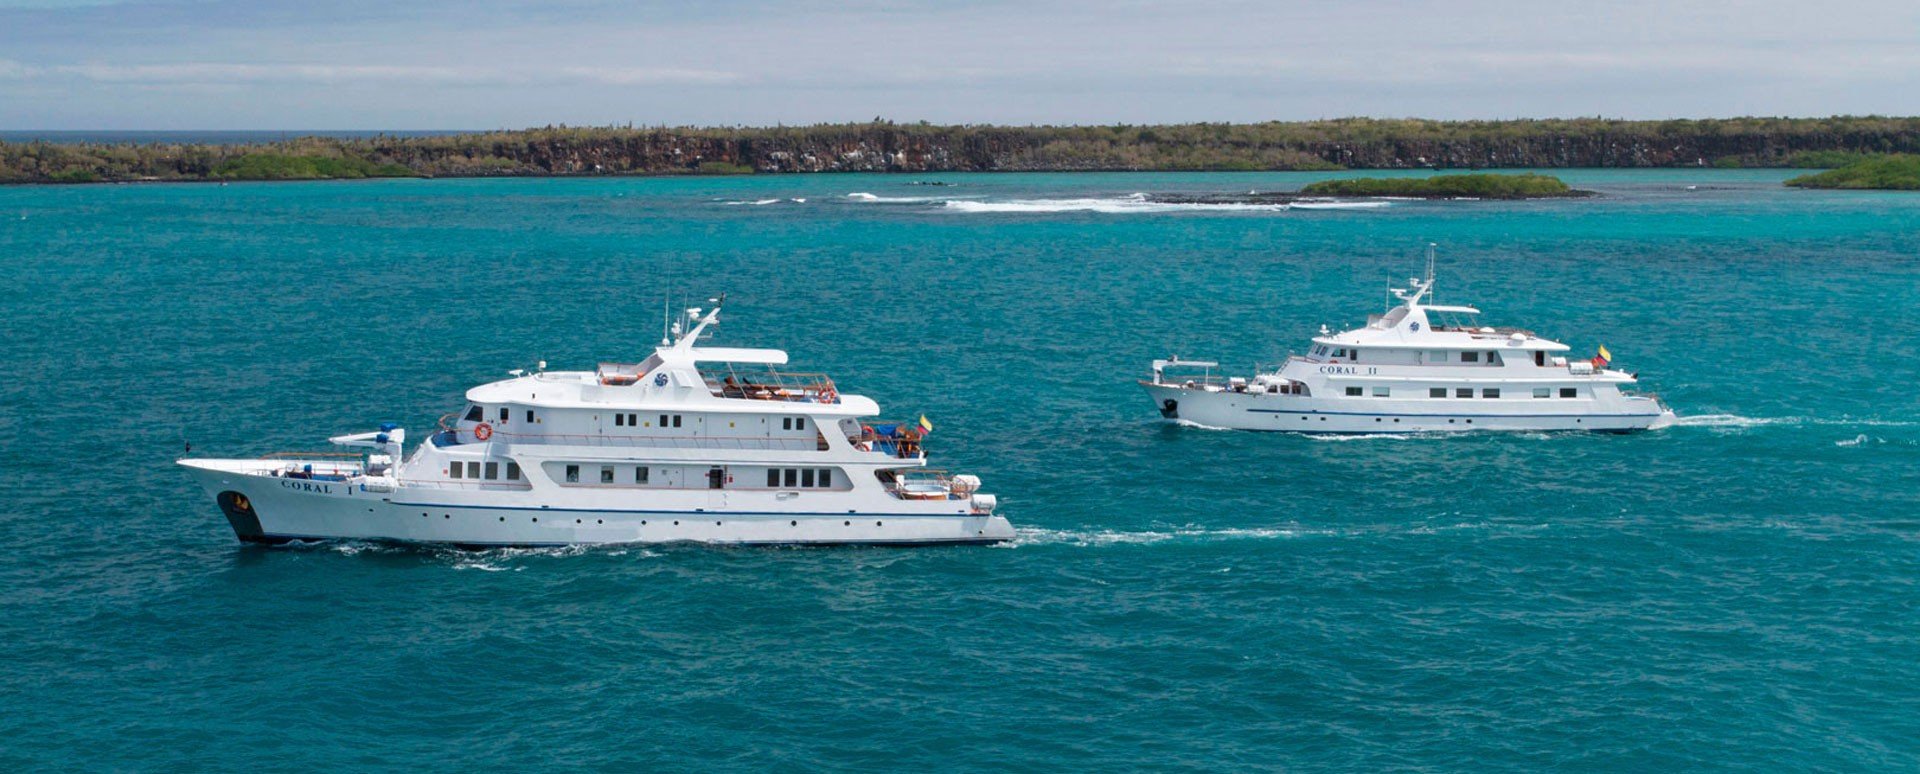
[{"x": 679, "y": 376}]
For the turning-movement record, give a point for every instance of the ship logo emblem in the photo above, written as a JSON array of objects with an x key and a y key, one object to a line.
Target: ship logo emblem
[
  {"x": 1414, "y": 326},
  {"x": 660, "y": 379}
]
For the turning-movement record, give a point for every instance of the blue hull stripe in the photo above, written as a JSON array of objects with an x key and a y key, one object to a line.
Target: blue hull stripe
[{"x": 784, "y": 514}]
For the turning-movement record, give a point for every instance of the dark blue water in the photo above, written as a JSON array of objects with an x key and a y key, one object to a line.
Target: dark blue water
[{"x": 1735, "y": 592}]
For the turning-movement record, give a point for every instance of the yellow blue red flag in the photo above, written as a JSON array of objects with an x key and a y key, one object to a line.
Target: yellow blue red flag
[{"x": 926, "y": 428}]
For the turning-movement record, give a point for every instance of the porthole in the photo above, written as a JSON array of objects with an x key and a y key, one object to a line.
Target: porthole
[
  {"x": 503, "y": 518},
  {"x": 793, "y": 524},
  {"x": 446, "y": 515},
  {"x": 849, "y": 524},
  {"x": 603, "y": 521},
  {"x": 876, "y": 524},
  {"x": 716, "y": 524},
  {"x": 576, "y": 521},
  {"x": 536, "y": 519},
  {"x": 676, "y": 522}
]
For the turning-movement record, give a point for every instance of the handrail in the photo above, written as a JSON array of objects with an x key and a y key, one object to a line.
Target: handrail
[{"x": 315, "y": 455}]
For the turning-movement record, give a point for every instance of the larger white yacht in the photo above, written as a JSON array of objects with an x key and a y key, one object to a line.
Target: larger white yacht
[
  {"x": 1405, "y": 372},
  {"x": 663, "y": 450}
]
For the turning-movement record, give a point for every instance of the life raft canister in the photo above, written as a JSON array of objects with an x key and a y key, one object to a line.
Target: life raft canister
[{"x": 482, "y": 431}]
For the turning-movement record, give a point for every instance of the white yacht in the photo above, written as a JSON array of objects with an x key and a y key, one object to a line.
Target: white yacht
[
  {"x": 1420, "y": 367},
  {"x": 695, "y": 443}
]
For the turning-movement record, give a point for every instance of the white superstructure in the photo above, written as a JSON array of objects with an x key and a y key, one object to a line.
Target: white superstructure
[
  {"x": 1417, "y": 368},
  {"x": 684, "y": 446}
]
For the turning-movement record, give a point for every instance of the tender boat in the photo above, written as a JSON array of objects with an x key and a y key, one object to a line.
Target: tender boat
[
  {"x": 1420, "y": 367},
  {"x": 694, "y": 444}
]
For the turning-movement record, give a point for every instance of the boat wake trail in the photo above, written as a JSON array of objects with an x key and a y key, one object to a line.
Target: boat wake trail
[
  {"x": 1736, "y": 421},
  {"x": 1033, "y": 536}
]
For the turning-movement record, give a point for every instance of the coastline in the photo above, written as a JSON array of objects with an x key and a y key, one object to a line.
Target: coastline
[{"x": 1343, "y": 144}]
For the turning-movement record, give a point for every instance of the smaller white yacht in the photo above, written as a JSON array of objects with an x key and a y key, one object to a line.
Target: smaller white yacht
[
  {"x": 692, "y": 444},
  {"x": 1420, "y": 367}
]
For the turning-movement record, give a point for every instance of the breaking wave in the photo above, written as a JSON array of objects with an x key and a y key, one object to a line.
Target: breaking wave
[
  {"x": 1136, "y": 203},
  {"x": 1338, "y": 205}
]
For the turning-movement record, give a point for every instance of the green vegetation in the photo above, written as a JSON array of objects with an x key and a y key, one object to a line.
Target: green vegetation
[
  {"x": 886, "y": 146},
  {"x": 1478, "y": 186},
  {"x": 279, "y": 166},
  {"x": 1829, "y": 159},
  {"x": 1898, "y": 172}
]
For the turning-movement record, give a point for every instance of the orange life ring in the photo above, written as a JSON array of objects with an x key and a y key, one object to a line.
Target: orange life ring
[{"x": 482, "y": 431}]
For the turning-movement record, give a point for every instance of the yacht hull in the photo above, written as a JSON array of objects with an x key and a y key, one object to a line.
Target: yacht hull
[
  {"x": 269, "y": 509},
  {"x": 1230, "y": 410}
]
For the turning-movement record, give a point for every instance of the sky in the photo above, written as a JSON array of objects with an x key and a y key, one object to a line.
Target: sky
[{"x": 486, "y": 64}]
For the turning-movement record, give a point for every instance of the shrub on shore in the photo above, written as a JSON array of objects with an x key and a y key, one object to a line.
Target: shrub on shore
[
  {"x": 1897, "y": 172},
  {"x": 1476, "y": 186}
]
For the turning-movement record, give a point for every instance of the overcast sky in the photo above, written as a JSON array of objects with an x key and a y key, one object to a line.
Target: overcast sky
[{"x": 401, "y": 64}]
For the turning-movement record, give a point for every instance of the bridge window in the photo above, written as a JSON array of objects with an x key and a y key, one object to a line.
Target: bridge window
[
  {"x": 640, "y": 474},
  {"x": 493, "y": 470},
  {"x": 606, "y": 474},
  {"x": 773, "y": 478},
  {"x": 1490, "y": 392},
  {"x": 1543, "y": 392},
  {"x": 1469, "y": 357},
  {"x": 633, "y": 420},
  {"x": 1463, "y": 392},
  {"x": 1382, "y": 392},
  {"x": 1569, "y": 392},
  {"x": 474, "y": 415},
  {"x": 619, "y": 420},
  {"x": 504, "y": 412},
  {"x": 573, "y": 474},
  {"x": 792, "y": 476},
  {"x": 453, "y": 470},
  {"x": 826, "y": 477},
  {"x": 529, "y": 415},
  {"x": 806, "y": 477},
  {"x": 473, "y": 470},
  {"x": 1436, "y": 392},
  {"x": 1353, "y": 392},
  {"x": 513, "y": 471}
]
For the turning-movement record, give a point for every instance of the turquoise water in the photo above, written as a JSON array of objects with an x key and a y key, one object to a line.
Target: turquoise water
[{"x": 1736, "y": 592}]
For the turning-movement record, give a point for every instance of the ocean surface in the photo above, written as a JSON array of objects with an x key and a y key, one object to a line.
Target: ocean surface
[{"x": 1736, "y": 592}]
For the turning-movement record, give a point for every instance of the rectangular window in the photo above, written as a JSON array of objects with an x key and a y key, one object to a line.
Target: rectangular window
[
  {"x": 473, "y": 470},
  {"x": 529, "y": 415},
  {"x": 619, "y": 420},
  {"x": 1569, "y": 392},
  {"x": 1436, "y": 392},
  {"x": 640, "y": 474},
  {"x": 573, "y": 474},
  {"x": 474, "y": 415},
  {"x": 1543, "y": 392},
  {"x": 826, "y": 477},
  {"x": 676, "y": 420},
  {"x": 663, "y": 420},
  {"x": 1354, "y": 391},
  {"x": 633, "y": 420},
  {"x": 503, "y": 413},
  {"x": 786, "y": 423},
  {"x": 1490, "y": 392},
  {"x": 799, "y": 423},
  {"x": 1354, "y": 356},
  {"x": 1463, "y": 392},
  {"x": 453, "y": 470},
  {"x": 806, "y": 477},
  {"x": 1469, "y": 357},
  {"x": 493, "y": 470},
  {"x": 606, "y": 474},
  {"x": 1382, "y": 392},
  {"x": 513, "y": 471},
  {"x": 792, "y": 476},
  {"x": 773, "y": 478}
]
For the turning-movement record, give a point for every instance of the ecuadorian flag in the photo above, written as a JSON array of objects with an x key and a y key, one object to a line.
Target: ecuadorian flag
[
  {"x": 1605, "y": 356},
  {"x": 926, "y": 427}
]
